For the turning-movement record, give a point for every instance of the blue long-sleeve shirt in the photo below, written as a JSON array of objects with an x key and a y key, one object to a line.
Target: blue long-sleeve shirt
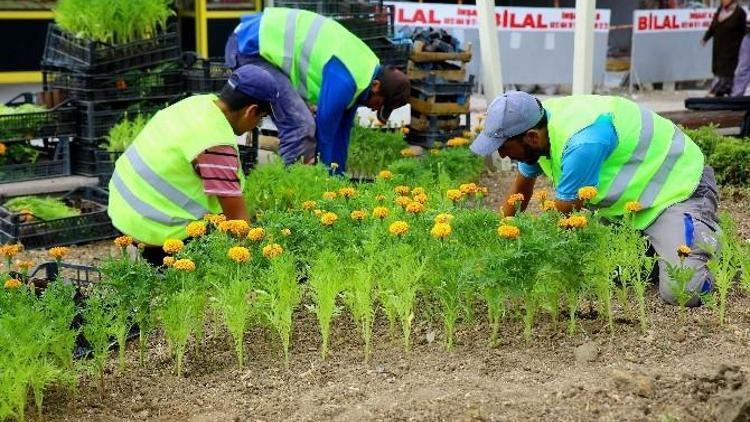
[{"x": 334, "y": 118}]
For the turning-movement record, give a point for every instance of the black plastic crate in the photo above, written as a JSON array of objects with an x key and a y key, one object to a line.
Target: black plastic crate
[
  {"x": 96, "y": 119},
  {"x": 134, "y": 85},
  {"x": 54, "y": 122},
  {"x": 66, "y": 51},
  {"x": 390, "y": 52},
  {"x": 368, "y": 25},
  {"x": 88, "y": 159},
  {"x": 204, "y": 76},
  {"x": 434, "y": 86},
  {"x": 53, "y": 161},
  {"x": 92, "y": 224},
  {"x": 331, "y": 7}
]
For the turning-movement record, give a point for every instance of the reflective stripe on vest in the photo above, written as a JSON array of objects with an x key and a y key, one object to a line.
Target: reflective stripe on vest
[
  {"x": 307, "y": 46},
  {"x": 290, "y": 27},
  {"x": 160, "y": 185},
  {"x": 654, "y": 186},
  {"x": 143, "y": 208}
]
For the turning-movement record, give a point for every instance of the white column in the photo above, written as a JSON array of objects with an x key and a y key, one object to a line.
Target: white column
[
  {"x": 492, "y": 77},
  {"x": 583, "y": 51}
]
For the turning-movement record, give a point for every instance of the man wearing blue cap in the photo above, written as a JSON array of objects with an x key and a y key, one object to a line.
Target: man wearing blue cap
[
  {"x": 185, "y": 163},
  {"x": 314, "y": 60},
  {"x": 629, "y": 153}
]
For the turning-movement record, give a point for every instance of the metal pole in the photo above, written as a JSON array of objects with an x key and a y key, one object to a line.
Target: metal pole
[
  {"x": 489, "y": 46},
  {"x": 583, "y": 50}
]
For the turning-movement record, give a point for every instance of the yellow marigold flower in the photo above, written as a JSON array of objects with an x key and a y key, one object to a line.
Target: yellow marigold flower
[
  {"x": 549, "y": 205},
  {"x": 405, "y": 130},
  {"x": 123, "y": 241},
  {"x": 454, "y": 194},
  {"x": 329, "y": 195},
  {"x": 168, "y": 261},
  {"x": 484, "y": 190},
  {"x": 358, "y": 215},
  {"x": 58, "y": 252},
  {"x": 309, "y": 205},
  {"x": 684, "y": 251},
  {"x": 441, "y": 230},
  {"x": 328, "y": 218},
  {"x": 172, "y": 246},
  {"x": 239, "y": 228},
  {"x": 12, "y": 283},
  {"x": 402, "y": 190},
  {"x": 385, "y": 174},
  {"x": 398, "y": 228},
  {"x": 506, "y": 231},
  {"x": 380, "y": 212},
  {"x": 318, "y": 213},
  {"x": 457, "y": 142},
  {"x": 633, "y": 206},
  {"x": 540, "y": 195},
  {"x": 443, "y": 218},
  {"x": 214, "y": 219},
  {"x": 196, "y": 229},
  {"x": 256, "y": 234},
  {"x": 421, "y": 198},
  {"x": 11, "y": 250},
  {"x": 3, "y": 148},
  {"x": 403, "y": 200},
  {"x": 184, "y": 265},
  {"x": 348, "y": 192},
  {"x": 239, "y": 254},
  {"x": 415, "y": 208},
  {"x": 224, "y": 226},
  {"x": 286, "y": 232},
  {"x": 418, "y": 191},
  {"x": 515, "y": 198},
  {"x": 587, "y": 193},
  {"x": 24, "y": 265},
  {"x": 468, "y": 188},
  {"x": 577, "y": 221},
  {"x": 273, "y": 250},
  {"x": 408, "y": 152},
  {"x": 380, "y": 198}
]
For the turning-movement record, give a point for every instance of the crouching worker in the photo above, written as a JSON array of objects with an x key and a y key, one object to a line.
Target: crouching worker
[
  {"x": 185, "y": 163},
  {"x": 626, "y": 151}
]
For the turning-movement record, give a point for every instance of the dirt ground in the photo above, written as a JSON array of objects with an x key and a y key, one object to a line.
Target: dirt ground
[{"x": 683, "y": 368}]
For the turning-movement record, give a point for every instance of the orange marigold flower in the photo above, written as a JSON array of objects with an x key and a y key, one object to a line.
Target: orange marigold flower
[
  {"x": 123, "y": 241},
  {"x": 421, "y": 198},
  {"x": 385, "y": 174},
  {"x": 358, "y": 215},
  {"x": 684, "y": 251},
  {"x": 418, "y": 191},
  {"x": 577, "y": 221},
  {"x": 184, "y": 265},
  {"x": 3, "y": 148},
  {"x": 441, "y": 230},
  {"x": 256, "y": 234},
  {"x": 239, "y": 228},
  {"x": 286, "y": 232},
  {"x": 309, "y": 205},
  {"x": 168, "y": 261},
  {"x": 506, "y": 231},
  {"x": 405, "y": 130},
  {"x": 633, "y": 206},
  {"x": 549, "y": 205},
  {"x": 224, "y": 226},
  {"x": 58, "y": 252},
  {"x": 348, "y": 192},
  {"x": 380, "y": 212},
  {"x": 214, "y": 219},
  {"x": 468, "y": 188},
  {"x": 273, "y": 250},
  {"x": 329, "y": 195},
  {"x": 239, "y": 254},
  {"x": 403, "y": 200},
  {"x": 402, "y": 190},
  {"x": 454, "y": 194},
  {"x": 457, "y": 142},
  {"x": 196, "y": 229},
  {"x": 172, "y": 246},
  {"x": 515, "y": 198},
  {"x": 415, "y": 208},
  {"x": 408, "y": 152},
  {"x": 540, "y": 195},
  {"x": 587, "y": 193},
  {"x": 24, "y": 265},
  {"x": 9, "y": 251},
  {"x": 398, "y": 228},
  {"x": 328, "y": 218},
  {"x": 12, "y": 283},
  {"x": 443, "y": 218}
]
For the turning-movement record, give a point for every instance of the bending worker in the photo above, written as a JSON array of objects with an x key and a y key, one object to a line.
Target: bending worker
[
  {"x": 626, "y": 151},
  {"x": 185, "y": 163},
  {"x": 315, "y": 60}
]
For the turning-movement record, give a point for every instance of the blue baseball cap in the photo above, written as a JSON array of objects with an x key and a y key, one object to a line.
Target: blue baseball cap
[
  {"x": 510, "y": 114},
  {"x": 255, "y": 82}
]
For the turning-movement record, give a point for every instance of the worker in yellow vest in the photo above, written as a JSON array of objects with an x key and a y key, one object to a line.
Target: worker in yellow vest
[
  {"x": 629, "y": 153},
  {"x": 315, "y": 60},
  {"x": 185, "y": 163}
]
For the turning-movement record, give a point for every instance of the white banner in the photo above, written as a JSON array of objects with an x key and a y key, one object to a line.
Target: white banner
[
  {"x": 671, "y": 20},
  {"x": 506, "y": 18}
]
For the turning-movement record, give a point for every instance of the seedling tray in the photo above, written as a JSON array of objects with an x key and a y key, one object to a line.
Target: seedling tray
[
  {"x": 55, "y": 122},
  {"x": 53, "y": 161},
  {"x": 135, "y": 85},
  {"x": 96, "y": 119},
  {"x": 205, "y": 76}
]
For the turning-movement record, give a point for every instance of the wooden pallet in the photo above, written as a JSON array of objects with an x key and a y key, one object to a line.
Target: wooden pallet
[
  {"x": 442, "y": 122},
  {"x": 419, "y": 56},
  {"x": 430, "y": 106},
  {"x": 415, "y": 73}
]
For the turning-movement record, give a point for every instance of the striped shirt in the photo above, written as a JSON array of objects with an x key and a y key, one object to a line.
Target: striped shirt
[{"x": 218, "y": 168}]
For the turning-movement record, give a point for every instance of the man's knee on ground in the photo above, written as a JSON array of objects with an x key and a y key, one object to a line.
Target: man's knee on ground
[{"x": 700, "y": 284}]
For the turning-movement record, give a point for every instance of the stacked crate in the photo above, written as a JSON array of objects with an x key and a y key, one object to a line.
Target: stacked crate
[
  {"x": 440, "y": 94},
  {"x": 107, "y": 83}
]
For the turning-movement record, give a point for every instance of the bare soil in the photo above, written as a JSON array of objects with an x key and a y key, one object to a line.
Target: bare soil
[{"x": 685, "y": 368}]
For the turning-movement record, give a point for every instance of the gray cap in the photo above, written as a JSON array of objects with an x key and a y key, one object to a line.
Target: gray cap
[{"x": 509, "y": 115}]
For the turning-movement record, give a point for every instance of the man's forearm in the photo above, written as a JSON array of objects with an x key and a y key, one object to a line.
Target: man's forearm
[{"x": 234, "y": 207}]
